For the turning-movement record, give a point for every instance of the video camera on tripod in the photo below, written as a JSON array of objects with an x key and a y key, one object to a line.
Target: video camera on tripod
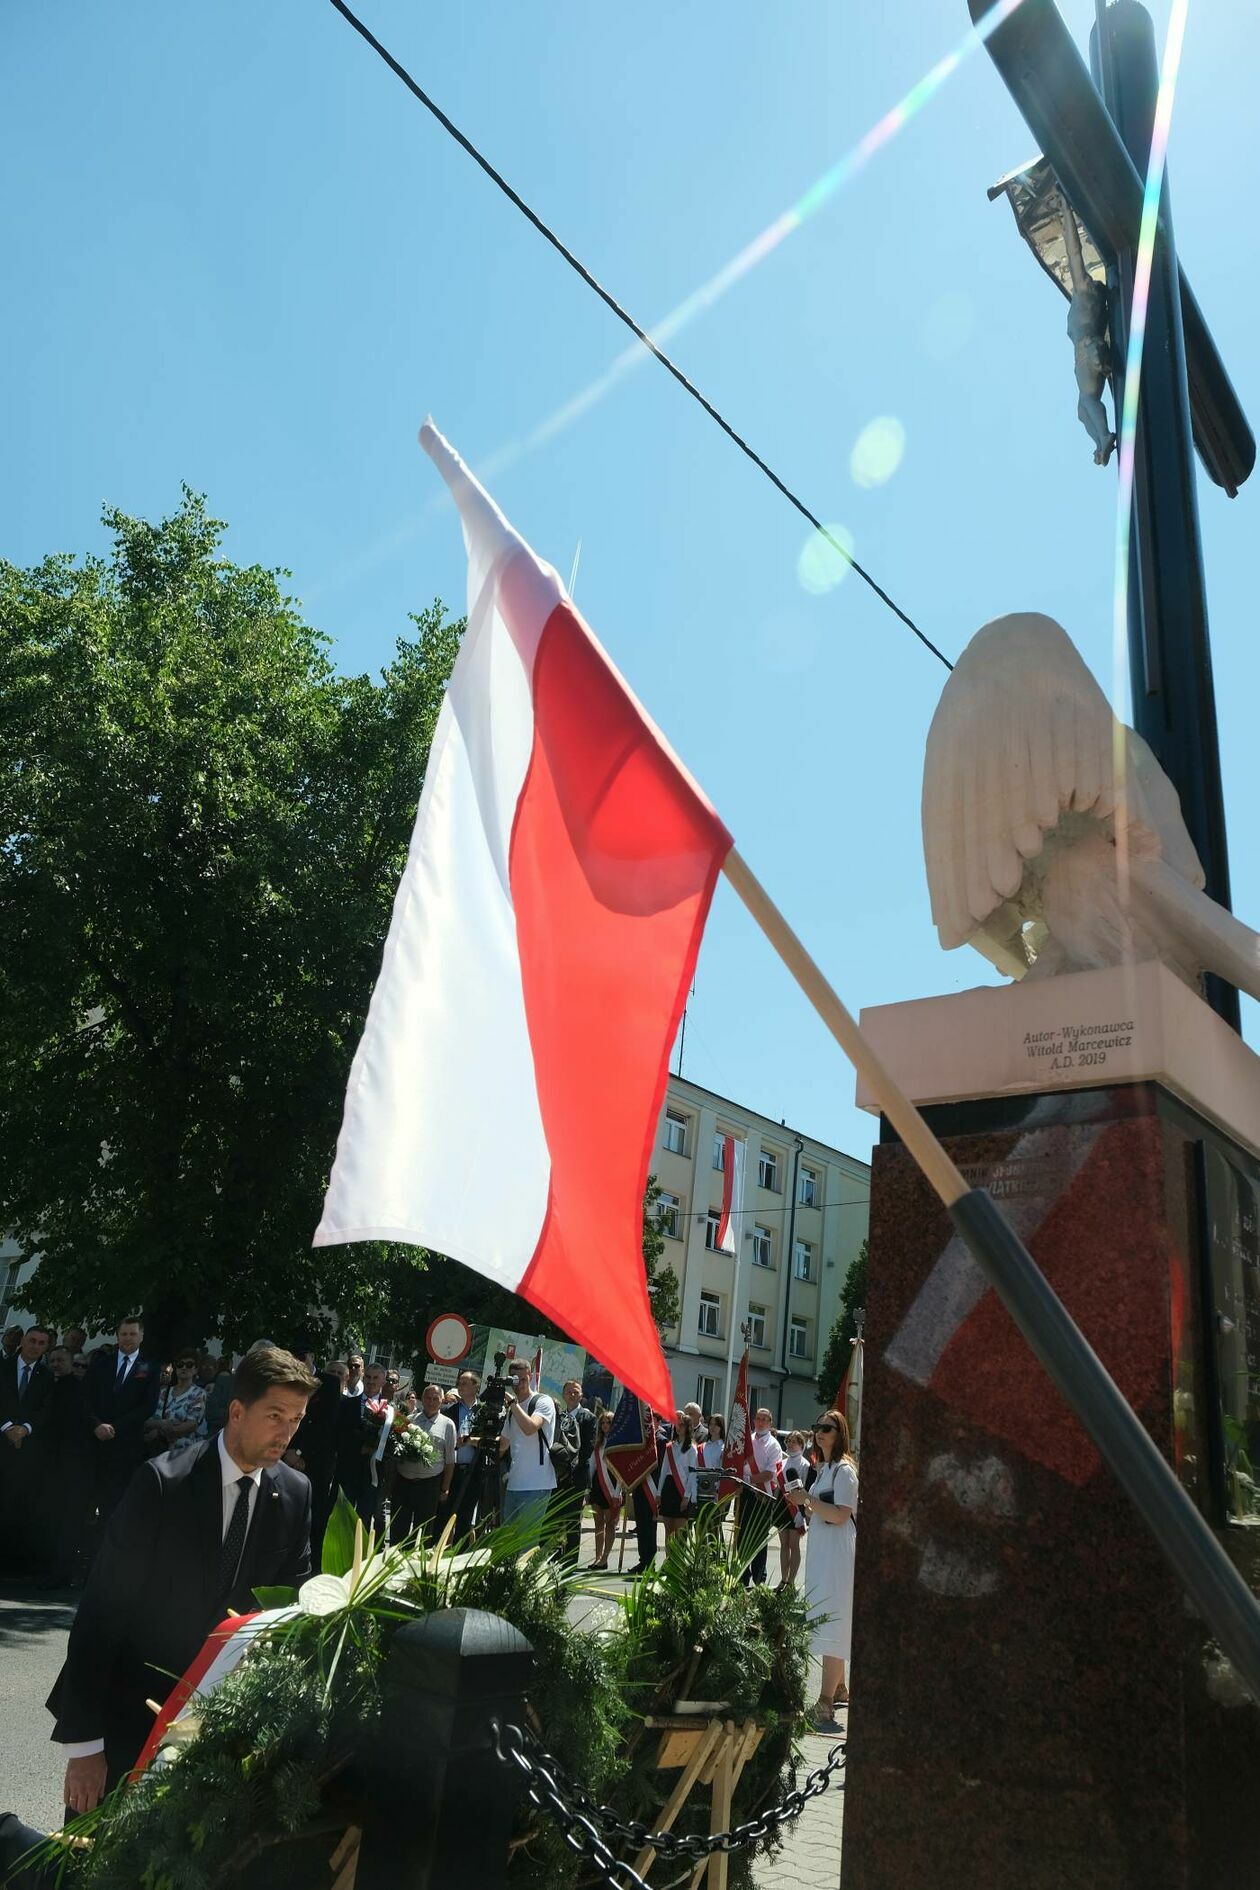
[{"x": 488, "y": 1412}]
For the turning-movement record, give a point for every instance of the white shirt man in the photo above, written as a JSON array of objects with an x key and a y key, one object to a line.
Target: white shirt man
[
  {"x": 755, "y": 1512},
  {"x": 766, "y": 1449},
  {"x": 529, "y": 1429}
]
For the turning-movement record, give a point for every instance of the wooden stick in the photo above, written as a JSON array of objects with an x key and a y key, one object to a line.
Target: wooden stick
[
  {"x": 896, "y": 1105},
  {"x": 720, "y": 1816},
  {"x": 678, "y": 1797}
]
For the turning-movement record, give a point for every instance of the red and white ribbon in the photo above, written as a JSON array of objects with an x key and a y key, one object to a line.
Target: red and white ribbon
[{"x": 609, "y": 1488}]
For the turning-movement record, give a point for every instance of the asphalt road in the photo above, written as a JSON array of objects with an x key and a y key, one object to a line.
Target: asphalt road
[{"x": 33, "y": 1630}]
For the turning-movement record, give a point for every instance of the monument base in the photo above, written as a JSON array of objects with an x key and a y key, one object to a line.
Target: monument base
[{"x": 1035, "y": 1704}]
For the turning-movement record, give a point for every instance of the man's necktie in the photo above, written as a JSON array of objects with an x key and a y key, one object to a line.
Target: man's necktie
[
  {"x": 24, "y": 1372},
  {"x": 122, "y": 1367},
  {"x": 234, "y": 1540}
]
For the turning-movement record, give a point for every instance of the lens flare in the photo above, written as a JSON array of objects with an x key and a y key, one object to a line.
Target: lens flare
[
  {"x": 824, "y": 560},
  {"x": 1127, "y": 428},
  {"x": 819, "y": 193},
  {"x": 877, "y": 452},
  {"x": 948, "y": 324}
]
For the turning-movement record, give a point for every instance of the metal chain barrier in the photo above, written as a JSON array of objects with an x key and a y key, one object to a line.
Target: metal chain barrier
[{"x": 584, "y": 1824}]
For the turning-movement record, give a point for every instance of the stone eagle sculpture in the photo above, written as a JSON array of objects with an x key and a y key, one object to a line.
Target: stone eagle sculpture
[{"x": 1053, "y": 839}]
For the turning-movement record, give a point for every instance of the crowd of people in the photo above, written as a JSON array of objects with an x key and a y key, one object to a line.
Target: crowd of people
[{"x": 76, "y": 1422}]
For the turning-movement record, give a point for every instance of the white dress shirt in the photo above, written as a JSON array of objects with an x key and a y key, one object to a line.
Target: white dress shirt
[
  {"x": 27, "y": 1366},
  {"x": 231, "y": 1473}
]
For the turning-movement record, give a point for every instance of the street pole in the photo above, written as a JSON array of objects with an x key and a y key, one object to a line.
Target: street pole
[
  {"x": 789, "y": 1264},
  {"x": 1170, "y": 660}
]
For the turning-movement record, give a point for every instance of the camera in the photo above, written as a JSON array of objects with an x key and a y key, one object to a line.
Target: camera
[{"x": 487, "y": 1417}]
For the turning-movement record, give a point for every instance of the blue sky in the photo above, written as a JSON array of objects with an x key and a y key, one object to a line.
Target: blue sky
[{"x": 241, "y": 256}]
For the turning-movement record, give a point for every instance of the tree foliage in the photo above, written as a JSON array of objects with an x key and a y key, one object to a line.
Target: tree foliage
[
  {"x": 662, "y": 1280},
  {"x": 839, "y": 1346},
  {"x": 446, "y": 1286},
  {"x": 202, "y": 828}
]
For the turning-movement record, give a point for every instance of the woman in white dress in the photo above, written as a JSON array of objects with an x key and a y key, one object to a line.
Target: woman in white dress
[
  {"x": 830, "y": 1503},
  {"x": 676, "y": 1480}
]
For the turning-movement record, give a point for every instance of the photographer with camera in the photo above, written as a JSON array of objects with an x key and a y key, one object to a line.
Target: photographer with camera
[{"x": 529, "y": 1431}]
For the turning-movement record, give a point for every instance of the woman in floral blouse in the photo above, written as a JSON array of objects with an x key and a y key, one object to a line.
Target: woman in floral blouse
[{"x": 180, "y": 1417}]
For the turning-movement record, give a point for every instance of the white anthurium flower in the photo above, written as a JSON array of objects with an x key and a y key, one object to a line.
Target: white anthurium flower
[{"x": 325, "y": 1594}]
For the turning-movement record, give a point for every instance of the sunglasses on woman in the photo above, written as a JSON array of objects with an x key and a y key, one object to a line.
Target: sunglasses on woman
[{"x": 823, "y": 1427}]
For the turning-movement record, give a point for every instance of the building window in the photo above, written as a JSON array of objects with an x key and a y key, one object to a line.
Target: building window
[
  {"x": 675, "y": 1137},
  {"x": 713, "y": 1220},
  {"x": 757, "y": 1327},
  {"x": 798, "y": 1338},
  {"x": 762, "y": 1250},
  {"x": 760, "y": 1398},
  {"x": 803, "y": 1260},
  {"x": 719, "y": 1153},
  {"x": 709, "y": 1326},
  {"x": 706, "y": 1394},
  {"x": 810, "y": 1192},
  {"x": 668, "y": 1211},
  {"x": 768, "y": 1171}
]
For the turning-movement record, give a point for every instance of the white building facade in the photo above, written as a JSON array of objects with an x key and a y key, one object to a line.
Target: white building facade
[{"x": 805, "y": 1214}]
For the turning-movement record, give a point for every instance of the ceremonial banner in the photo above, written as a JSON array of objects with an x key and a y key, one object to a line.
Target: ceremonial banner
[
  {"x": 731, "y": 1225},
  {"x": 739, "y": 1463},
  {"x": 849, "y": 1396},
  {"x": 631, "y": 1444},
  {"x": 503, "y": 1099}
]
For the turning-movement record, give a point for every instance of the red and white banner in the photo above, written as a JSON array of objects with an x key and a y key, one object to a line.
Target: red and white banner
[
  {"x": 503, "y": 1099},
  {"x": 731, "y": 1225},
  {"x": 223, "y": 1649},
  {"x": 739, "y": 1460}
]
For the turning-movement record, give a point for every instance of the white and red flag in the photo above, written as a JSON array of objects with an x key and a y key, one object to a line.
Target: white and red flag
[
  {"x": 731, "y": 1224},
  {"x": 739, "y": 1460},
  {"x": 503, "y": 1099}
]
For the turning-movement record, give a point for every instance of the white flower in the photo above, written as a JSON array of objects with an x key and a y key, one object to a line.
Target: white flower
[{"x": 324, "y": 1594}]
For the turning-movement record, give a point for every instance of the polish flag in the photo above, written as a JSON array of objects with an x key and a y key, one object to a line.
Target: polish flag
[
  {"x": 503, "y": 1100},
  {"x": 730, "y": 1226},
  {"x": 739, "y": 1459}
]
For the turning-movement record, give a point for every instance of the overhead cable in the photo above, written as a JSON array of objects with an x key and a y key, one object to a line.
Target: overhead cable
[{"x": 623, "y": 315}]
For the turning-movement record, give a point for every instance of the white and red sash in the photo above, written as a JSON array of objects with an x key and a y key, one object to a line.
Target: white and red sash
[
  {"x": 672, "y": 1466},
  {"x": 224, "y": 1648},
  {"x": 609, "y": 1488}
]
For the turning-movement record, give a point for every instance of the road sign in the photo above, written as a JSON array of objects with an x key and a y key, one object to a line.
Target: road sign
[
  {"x": 448, "y": 1339},
  {"x": 439, "y": 1375}
]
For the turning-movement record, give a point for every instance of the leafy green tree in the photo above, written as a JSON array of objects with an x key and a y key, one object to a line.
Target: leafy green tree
[
  {"x": 840, "y": 1344},
  {"x": 662, "y": 1280},
  {"x": 202, "y": 827},
  {"x": 446, "y": 1286}
]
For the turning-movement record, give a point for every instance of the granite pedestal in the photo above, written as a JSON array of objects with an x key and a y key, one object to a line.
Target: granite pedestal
[{"x": 1034, "y": 1704}]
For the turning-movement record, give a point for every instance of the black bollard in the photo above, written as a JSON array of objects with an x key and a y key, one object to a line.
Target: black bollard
[{"x": 443, "y": 1804}]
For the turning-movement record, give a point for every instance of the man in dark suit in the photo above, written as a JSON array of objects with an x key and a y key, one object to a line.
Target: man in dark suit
[
  {"x": 192, "y": 1537},
  {"x": 314, "y": 1451},
  {"x": 25, "y": 1387},
  {"x": 122, "y": 1393},
  {"x": 65, "y": 1456}
]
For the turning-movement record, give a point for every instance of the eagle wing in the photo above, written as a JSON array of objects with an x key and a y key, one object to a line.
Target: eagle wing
[{"x": 1022, "y": 734}]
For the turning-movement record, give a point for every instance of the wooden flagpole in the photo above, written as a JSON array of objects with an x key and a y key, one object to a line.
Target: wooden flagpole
[
  {"x": 901, "y": 1112},
  {"x": 1201, "y": 1564}
]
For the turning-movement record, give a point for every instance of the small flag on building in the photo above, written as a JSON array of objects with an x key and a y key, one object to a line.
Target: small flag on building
[
  {"x": 503, "y": 1099},
  {"x": 731, "y": 1224},
  {"x": 631, "y": 1445},
  {"x": 739, "y": 1462}
]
